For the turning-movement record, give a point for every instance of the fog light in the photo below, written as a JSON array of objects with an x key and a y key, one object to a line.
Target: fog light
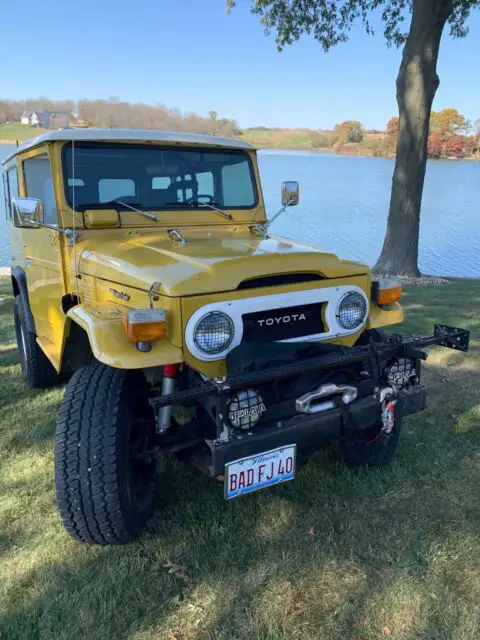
[
  {"x": 400, "y": 372},
  {"x": 245, "y": 409}
]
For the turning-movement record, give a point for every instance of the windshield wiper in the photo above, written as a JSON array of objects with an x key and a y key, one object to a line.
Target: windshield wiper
[
  {"x": 197, "y": 203},
  {"x": 225, "y": 214},
  {"x": 147, "y": 214}
]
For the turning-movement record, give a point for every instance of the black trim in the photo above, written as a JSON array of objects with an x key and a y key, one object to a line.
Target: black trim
[
  {"x": 150, "y": 145},
  {"x": 278, "y": 280},
  {"x": 20, "y": 287},
  {"x": 8, "y": 193}
]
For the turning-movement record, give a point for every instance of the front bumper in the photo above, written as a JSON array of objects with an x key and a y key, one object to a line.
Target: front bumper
[{"x": 309, "y": 431}]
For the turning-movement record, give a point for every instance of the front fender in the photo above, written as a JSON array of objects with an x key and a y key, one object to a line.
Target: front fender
[
  {"x": 379, "y": 317},
  {"x": 109, "y": 343}
]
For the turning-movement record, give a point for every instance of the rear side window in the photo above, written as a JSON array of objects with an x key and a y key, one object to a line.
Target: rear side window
[
  {"x": 39, "y": 184},
  {"x": 11, "y": 189}
]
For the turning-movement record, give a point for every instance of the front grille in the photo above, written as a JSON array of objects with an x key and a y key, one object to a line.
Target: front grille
[
  {"x": 278, "y": 280},
  {"x": 283, "y": 324}
]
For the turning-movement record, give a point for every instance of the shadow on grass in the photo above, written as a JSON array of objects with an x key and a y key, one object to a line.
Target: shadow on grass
[
  {"x": 340, "y": 553},
  {"x": 337, "y": 554}
]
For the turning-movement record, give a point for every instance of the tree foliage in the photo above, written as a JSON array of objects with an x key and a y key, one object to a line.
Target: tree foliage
[
  {"x": 330, "y": 22},
  {"x": 391, "y": 134},
  {"x": 349, "y": 131},
  {"x": 449, "y": 122}
]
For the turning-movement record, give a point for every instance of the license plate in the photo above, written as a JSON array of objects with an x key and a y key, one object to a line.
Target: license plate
[{"x": 259, "y": 471}]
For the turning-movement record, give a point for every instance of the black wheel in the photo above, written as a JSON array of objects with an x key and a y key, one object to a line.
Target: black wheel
[
  {"x": 105, "y": 489},
  {"x": 374, "y": 447},
  {"x": 36, "y": 368}
]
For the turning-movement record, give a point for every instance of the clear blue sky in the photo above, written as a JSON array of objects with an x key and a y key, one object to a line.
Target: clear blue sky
[{"x": 190, "y": 54}]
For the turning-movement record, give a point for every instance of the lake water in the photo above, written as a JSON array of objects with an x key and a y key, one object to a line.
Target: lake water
[{"x": 344, "y": 204}]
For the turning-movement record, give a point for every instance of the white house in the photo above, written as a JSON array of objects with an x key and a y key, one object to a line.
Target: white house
[{"x": 30, "y": 117}]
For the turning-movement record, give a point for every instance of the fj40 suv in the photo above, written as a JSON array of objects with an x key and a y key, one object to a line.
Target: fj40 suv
[{"x": 144, "y": 272}]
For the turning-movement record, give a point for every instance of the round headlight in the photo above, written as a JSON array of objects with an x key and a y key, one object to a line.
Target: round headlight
[
  {"x": 214, "y": 332},
  {"x": 352, "y": 310}
]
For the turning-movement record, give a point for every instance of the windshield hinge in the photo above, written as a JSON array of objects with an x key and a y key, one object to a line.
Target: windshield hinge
[
  {"x": 259, "y": 230},
  {"x": 176, "y": 235}
]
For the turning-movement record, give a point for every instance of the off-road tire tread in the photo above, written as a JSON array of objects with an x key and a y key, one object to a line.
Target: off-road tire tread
[
  {"x": 39, "y": 372},
  {"x": 89, "y": 459}
]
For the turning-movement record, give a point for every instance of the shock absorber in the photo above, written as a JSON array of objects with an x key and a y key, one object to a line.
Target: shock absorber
[{"x": 164, "y": 416}]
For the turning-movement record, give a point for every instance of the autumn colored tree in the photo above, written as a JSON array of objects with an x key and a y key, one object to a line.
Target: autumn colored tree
[
  {"x": 391, "y": 134},
  {"x": 449, "y": 122},
  {"x": 349, "y": 131},
  {"x": 456, "y": 146},
  {"x": 435, "y": 145},
  {"x": 417, "y": 82}
]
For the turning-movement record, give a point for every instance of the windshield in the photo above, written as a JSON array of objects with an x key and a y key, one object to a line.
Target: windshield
[{"x": 149, "y": 177}]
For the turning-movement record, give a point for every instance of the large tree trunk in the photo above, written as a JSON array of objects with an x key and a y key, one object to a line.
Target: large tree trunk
[{"x": 417, "y": 83}]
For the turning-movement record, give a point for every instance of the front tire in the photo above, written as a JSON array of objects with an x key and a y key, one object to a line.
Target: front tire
[{"x": 105, "y": 492}]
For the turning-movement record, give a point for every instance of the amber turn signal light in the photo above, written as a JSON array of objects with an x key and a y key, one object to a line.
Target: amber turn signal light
[
  {"x": 387, "y": 291},
  {"x": 145, "y": 325}
]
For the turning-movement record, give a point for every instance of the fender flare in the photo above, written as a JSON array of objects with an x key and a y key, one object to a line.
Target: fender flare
[
  {"x": 20, "y": 288},
  {"x": 110, "y": 346}
]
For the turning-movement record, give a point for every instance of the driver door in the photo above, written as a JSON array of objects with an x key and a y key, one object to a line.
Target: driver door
[{"x": 43, "y": 259}]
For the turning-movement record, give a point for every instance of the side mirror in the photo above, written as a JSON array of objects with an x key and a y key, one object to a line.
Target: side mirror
[
  {"x": 290, "y": 193},
  {"x": 27, "y": 211}
]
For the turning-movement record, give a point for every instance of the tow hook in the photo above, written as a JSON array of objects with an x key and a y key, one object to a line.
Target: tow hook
[{"x": 388, "y": 400}]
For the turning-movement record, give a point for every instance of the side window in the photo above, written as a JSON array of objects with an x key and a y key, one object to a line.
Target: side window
[
  {"x": 237, "y": 185},
  {"x": 39, "y": 184},
  {"x": 115, "y": 189},
  {"x": 11, "y": 189}
]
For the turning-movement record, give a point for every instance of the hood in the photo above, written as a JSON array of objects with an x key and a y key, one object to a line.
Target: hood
[{"x": 211, "y": 260}]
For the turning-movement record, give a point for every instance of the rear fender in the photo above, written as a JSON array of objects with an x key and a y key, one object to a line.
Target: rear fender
[{"x": 20, "y": 288}]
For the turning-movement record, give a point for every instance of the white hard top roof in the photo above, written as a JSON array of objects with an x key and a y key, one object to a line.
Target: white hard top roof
[{"x": 119, "y": 135}]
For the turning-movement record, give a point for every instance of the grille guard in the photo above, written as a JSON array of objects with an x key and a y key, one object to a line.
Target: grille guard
[{"x": 374, "y": 353}]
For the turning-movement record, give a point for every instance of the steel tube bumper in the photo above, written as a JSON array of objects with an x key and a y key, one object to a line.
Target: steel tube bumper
[{"x": 309, "y": 432}]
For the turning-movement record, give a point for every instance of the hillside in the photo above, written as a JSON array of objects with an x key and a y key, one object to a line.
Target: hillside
[{"x": 9, "y": 133}]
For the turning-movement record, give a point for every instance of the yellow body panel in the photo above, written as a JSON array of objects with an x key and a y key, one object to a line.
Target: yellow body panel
[
  {"x": 111, "y": 270},
  {"x": 110, "y": 345},
  {"x": 379, "y": 317}
]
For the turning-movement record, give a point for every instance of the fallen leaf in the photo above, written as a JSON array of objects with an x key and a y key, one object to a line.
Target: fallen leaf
[
  {"x": 386, "y": 631},
  {"x": 312, "y": 532},
  {"x": 221, "y": 531},
  {"x": 169, "y": 635},
  {"x": 179, "y": 572}
]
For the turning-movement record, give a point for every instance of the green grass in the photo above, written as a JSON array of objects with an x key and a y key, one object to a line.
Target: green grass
[
  {"x": 280, "y": 138},
  {"x": 20, "y": 132},
  {"x": 339, "y": 554}
]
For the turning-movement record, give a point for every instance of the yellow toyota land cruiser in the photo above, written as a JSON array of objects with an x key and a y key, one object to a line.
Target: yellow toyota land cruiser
[{"x": 145, "y": 273}]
